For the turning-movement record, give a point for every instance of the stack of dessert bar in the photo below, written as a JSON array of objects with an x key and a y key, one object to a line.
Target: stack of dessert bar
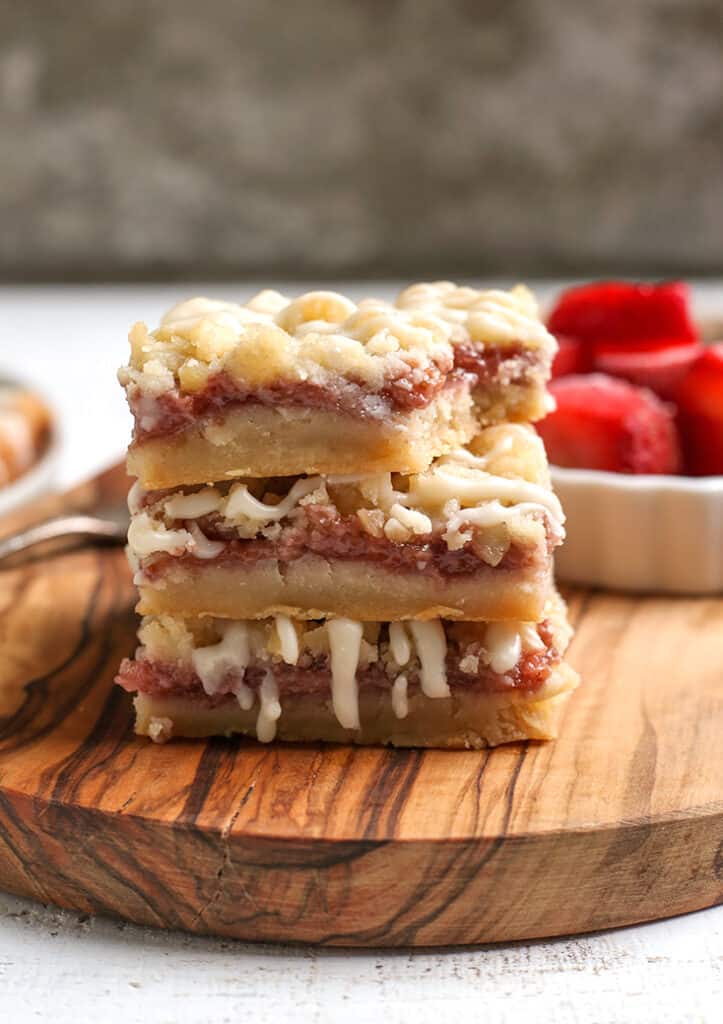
[{"x": 342, "y": 525}]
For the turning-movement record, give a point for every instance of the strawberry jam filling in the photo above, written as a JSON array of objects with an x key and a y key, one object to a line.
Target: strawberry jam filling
[
  {"x": 175, "y": 411},
  {"x": 495, "y": 366},
  {"x": 312, "y": 675},
  {"x": 321, "y": 530}
]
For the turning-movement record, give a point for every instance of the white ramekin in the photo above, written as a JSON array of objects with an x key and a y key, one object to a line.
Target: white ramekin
[{"x": 647, "y": 533}]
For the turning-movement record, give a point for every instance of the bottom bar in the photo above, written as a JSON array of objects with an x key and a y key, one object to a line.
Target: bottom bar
[
  {"x": 427, "y": 684},
  {"x": 464, "y": 720}
]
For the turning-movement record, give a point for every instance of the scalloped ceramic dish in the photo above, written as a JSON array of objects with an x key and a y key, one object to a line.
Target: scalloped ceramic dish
[{"x": 648, "y": 533}]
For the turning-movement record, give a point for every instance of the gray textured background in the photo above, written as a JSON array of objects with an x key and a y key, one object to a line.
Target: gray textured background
[{"x": 378, "y": 136}]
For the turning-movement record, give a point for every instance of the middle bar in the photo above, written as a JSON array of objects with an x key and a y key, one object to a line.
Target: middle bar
[{"x": 471, "y": 537}]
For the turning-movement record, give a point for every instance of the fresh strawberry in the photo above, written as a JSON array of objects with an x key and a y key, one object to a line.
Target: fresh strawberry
[
  {"x": 661, "y": 369},
  {"x": 571, "y": 357},
  {"x": 620, "y": 315},
  {"x": 603, "y": 423},
  {"x": 700, "y": 413}
]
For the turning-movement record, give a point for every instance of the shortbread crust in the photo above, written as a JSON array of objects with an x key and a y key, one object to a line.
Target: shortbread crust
[{"x": 464, "y": 721}]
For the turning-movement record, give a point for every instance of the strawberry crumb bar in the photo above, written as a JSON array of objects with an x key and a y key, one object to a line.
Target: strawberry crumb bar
[
  {"x": 278, "y": 387},
  {"x": 470, "y": 537},
  {"x": 434, "y": 683},
  {"x": 320, "y": 384}
]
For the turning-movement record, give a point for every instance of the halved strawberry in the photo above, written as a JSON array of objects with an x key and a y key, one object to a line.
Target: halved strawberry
[
  {"x": 621, "y": 315},
  {"x": 661, "y": 369},
  {"x": 700, "y": 413},
  {"x": 604, "y": 423},
  {"x": 571, "y": 357}
]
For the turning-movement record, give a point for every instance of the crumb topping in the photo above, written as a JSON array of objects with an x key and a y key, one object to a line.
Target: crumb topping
[
  {"x": 313, "y": 339},
  {"x": 322, "y": 335},
  {"x": 486, "y": 316}
]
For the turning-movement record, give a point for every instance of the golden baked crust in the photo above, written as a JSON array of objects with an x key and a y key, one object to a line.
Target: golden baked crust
[
  {"x": 463, "y": 720},
  {"x": 312, "y": 587},
  {"x": 261, "y": 441},
  {"x": 315, "y": 588}
]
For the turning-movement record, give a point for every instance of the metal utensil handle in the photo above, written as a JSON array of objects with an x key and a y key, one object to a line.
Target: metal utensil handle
[{"x": 101, "y": 530}]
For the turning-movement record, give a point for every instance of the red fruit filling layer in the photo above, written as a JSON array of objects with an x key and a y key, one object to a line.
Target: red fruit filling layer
[
  {"x": 174, "y": 411},
  {"x": 321, "y": 530},
  {"x": 313, "y": 676}
]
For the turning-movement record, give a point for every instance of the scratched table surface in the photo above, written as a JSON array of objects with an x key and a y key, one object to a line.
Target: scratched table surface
[{"x": 76, "y": 968}]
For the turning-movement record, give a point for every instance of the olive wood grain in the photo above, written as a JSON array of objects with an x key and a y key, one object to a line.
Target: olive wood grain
[{"x": 619, "y": 821}]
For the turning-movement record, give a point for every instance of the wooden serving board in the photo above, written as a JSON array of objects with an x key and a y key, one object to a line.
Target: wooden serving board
[{"x": 619, "y": 821}]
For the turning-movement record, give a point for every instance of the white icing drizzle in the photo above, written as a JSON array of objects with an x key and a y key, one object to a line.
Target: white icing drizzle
[
  {"x": 244, "y": 695},
  {"x": 226, "y": 661},
  {"x": 400, "y": 704},
  {"x": 288, "y": 639},
  {"x": 146, "y": 536},
  {"x": 135, "y": 497},
  {"x": 201, "y": 546},
  {"x": 269, "y": 710},
  {"x": 442, "y": 483},
  {"x": 345, "y": 637},
  {"x": 494, "y": 512},
  {"x": 414, "y": 520},
  {"x": 399, "y": 643},
  {"x": 431, "y": 645},
  {"x": 231, "y": 654},
  {"x": 192, "y": 506},
  {"x": 462, "y": 457},
  {"x": 241, "y": 502},
  {"x": 504, "y": 646}
]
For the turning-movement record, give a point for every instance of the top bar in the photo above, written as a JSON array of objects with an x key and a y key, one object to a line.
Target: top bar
[{"x": 323, "y": 385}]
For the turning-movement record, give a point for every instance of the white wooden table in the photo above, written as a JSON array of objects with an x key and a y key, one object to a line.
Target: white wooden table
[{"x": 68, "y": 968}]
